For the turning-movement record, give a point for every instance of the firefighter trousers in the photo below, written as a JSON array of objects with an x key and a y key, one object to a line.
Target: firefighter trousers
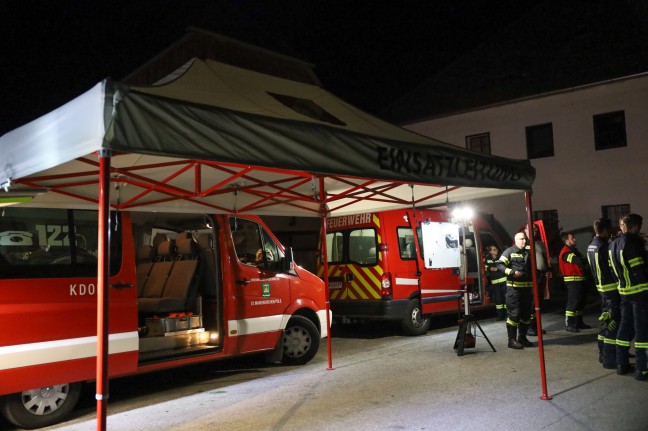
[
  {"x": 575, "y": 300},
  {"x": 499, "y": 297},
  {"x": 634, "y": 318},
  {"x": 518, "y": 305},
  {"x": 610, "y": 304}
]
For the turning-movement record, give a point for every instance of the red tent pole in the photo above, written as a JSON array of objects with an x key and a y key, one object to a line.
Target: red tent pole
[
  {"x": 324, "y": 257},
  {"x": 103, "y": 276},
  {"x": 536, "y": 296}
]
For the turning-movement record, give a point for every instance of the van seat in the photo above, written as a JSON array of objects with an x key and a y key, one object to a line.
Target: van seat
[
  {"x": 180, "y": 286},
  {"x": 471, "y": 255},
  {"x": 159, "y": 272},
  {"x": 145, "y": 258}
]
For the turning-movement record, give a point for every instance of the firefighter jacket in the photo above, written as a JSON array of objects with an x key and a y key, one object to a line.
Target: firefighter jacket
[
  {"x": 571, "y": 263},
  {"x": 598, "y": 257},
  {"x": 515, "y": 259},
  {"x": 628, "y": 257},
  {"x": 493, "y": 273}
]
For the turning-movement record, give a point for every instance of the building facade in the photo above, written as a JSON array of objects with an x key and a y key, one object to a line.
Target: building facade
[{"x": 589, "y": 145}]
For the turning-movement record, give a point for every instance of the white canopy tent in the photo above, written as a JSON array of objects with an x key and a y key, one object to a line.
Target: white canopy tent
[
  {"x": 189, "y": 142},
  {"x": 217, "y": 138}
]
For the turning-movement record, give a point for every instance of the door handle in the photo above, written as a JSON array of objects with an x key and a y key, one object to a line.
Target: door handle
[
  {"x": 122, "y": 285},
  {"x": 243, "y": 281}
]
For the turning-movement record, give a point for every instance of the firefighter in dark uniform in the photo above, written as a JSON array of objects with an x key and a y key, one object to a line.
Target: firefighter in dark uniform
[
  {"x": 497, "y": 280},
  {"x": 572, "y": 267},
  {"x": 598, "y": 256},
  {"x": 628, "y": 257},
  {"x": 515, "y": 262}
]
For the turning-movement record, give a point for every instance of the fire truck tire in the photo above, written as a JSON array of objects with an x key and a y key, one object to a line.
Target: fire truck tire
[
  {"x": 300, "y": 341},
  {"x": 413, "y": 322},
  {"x": 40, "y": 407}
]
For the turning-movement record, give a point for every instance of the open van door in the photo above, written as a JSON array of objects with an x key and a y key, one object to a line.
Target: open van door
[
  {"x": 541, "y": 235},
  {"x": 441, "y": 253}
]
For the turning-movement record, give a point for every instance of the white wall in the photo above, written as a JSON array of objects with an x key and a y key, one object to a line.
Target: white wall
[{"x": 577, "y": 180}]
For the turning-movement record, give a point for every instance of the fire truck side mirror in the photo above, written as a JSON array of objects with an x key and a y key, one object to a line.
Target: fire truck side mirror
[{"x": 288, "y": 261}]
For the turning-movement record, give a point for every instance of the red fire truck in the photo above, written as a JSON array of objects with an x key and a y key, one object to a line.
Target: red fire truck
[
  {"x": 183, "y": 289},
  {"x": 405, "y": 265}
]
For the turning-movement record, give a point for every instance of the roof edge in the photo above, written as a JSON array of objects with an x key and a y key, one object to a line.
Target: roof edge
[{"x": 525, "y": 98}]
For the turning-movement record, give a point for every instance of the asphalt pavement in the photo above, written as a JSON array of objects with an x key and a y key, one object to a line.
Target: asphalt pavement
[{"x": 382, "y": 380}]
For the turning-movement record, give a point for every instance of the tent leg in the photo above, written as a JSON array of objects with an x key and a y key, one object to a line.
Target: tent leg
[
  {"x": 103, "y": 277},
  {"x": 536, "y": 296},
  {"x": 324, "y": 257}
]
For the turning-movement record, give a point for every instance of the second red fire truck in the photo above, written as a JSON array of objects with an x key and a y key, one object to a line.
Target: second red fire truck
[{"x": 405, "y": 265}]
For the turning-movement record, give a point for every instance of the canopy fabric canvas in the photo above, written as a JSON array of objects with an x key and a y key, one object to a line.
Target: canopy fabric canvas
[{"x": 217, "y": 138}]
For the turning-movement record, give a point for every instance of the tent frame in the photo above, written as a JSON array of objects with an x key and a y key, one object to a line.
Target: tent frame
[
  {"x": 105, "y": 175},
  {"x": 216, "y": 129}
]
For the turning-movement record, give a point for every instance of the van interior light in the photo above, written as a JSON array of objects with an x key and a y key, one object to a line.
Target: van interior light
[
  {"x": 462, "y": 213},
  {"x": 214, "y": 338}
]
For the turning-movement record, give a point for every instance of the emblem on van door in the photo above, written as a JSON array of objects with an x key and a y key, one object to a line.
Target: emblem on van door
[{"x": 265, "y": 289}]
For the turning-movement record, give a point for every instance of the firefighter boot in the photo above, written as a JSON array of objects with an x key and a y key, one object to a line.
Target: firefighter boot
[
  {"x": 641, "y": 375},
  {"x": 501, "y": 314},
  {"x": 532, "y": 331},
  {"x": 533, "y": 328},
  {"x": 641, "y": 365},
  {"x": 512, "y": 340},
  {"x": 622, "y": 357},
  {"x": 571, "y": 324},
  {"x": 580, "y": 324},
  {"x": 624, "y": 369},
  {"x": 609, "y": 356},
  {"x": 522, "y": 339}
]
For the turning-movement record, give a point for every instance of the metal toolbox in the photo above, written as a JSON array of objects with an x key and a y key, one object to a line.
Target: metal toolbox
[
  {"x": 170, "y": 324},
  {"x": 159, "y": 326},
  {"x": 183, "y": 323},
  {"x": 195, "y": 322}
]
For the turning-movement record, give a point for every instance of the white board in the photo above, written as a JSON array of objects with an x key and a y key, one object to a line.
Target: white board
[{"x": 441, "y": 245}]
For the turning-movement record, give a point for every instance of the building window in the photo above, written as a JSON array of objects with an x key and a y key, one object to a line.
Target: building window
[
  {"x": 479, "y": 143},
  {"x": 610, "y": 130},
  {"x": 539, "y": 141},
  {"x": 552, "y": 229},
  {"x": 614, "y": 213}
]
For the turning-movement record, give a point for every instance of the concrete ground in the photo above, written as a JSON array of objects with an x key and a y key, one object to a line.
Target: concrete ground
[{"x": 384, "y": 381}]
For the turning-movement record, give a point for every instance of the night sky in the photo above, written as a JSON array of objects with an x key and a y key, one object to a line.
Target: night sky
[{"x": 367, "y": 52}]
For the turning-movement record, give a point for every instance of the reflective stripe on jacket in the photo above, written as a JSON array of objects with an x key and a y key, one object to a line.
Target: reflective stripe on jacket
[
  {"x": 628, "y": 258},
  {"x": 570, "y": 262},
  {"x": 514, "y": 259},
  {"x": 598, "y": 256},
  {"x": 494, "y": 277}
]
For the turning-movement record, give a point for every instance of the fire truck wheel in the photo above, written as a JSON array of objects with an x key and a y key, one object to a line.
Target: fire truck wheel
[
  {"x": 414, "y": 323},
  {"x": 40, "y": 407},
  {"x": 300, "y": 341}
]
